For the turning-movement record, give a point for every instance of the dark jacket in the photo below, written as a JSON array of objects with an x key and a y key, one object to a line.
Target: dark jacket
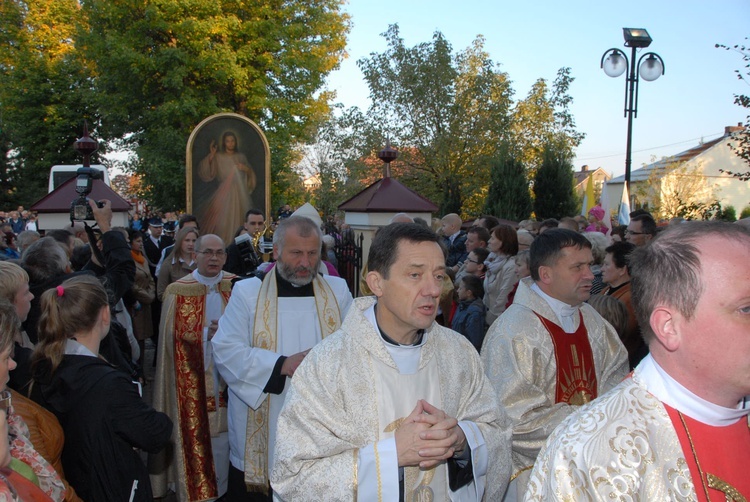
[
  {"x": 153, "y": 252},
  {"x": 457, "y": 251},
  {"x": 469, "y": 321},
  {"x": 103, "y": 418}
]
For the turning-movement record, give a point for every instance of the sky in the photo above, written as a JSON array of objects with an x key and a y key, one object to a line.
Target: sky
[{"x": 692, "y": 102}]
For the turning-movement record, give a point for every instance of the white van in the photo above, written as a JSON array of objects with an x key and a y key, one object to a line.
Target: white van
[{"x": 60, "y": 174}]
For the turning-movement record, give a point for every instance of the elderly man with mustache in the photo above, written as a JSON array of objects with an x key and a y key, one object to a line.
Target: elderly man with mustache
[{"x": 266, "y": 331}]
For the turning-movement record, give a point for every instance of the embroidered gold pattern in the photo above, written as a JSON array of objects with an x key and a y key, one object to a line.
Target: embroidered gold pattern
[
  {"x": 191, "y": 398},
  {"x": 355, "y": 484},
  {"x": 730, "y": 492},
  {"x": 377, "y": 468},
  {"x": 709, "y": 480},
  {"x": 264, "y": 336}
]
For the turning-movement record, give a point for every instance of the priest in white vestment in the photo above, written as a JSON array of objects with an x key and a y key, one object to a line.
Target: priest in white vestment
[
  {"x": 267, "y": 329},
  {"x": 393, "y": 406},
  {"x": 550, "y": 352},
  {"x": 677, "y": 429}
]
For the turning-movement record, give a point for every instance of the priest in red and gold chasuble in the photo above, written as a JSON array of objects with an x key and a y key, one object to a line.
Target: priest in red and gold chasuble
[
  {"x": 550, "y": 352},
  {"x": 187, "y": 386},
  {"x": 679, "y": 427}
]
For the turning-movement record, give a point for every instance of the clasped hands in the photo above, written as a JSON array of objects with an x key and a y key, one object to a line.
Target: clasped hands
[{"x": 427, "y": 437}]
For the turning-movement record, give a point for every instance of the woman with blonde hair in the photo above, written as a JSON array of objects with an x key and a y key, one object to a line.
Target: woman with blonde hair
[
  {"x": 99, "y": 407},
  {"x": 179, "y": 262}
]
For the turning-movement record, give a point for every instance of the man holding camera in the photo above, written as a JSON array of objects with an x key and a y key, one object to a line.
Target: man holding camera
[{"x": 242, "y": 257}]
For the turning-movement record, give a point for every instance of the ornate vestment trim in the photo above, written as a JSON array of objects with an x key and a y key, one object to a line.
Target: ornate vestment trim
[
  {"x": 576, "y": 375},
  {"x": 264, "y": 336}
]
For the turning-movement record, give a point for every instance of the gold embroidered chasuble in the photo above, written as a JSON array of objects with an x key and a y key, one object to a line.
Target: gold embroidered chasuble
[
  {"x": 337, "y": 405},
  {"x": 264, "y": 337},
  {"x": 623, "y": 446},
  {"x": 184, "y": 389},
  {"x": 519, "y": 359}
]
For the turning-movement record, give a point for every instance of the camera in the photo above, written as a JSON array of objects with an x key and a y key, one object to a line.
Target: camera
[
  {"x": 248, "y": 253},
  {"x": 79, "y": 208}
]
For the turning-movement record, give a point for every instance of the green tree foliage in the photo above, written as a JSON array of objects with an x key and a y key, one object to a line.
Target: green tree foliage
[
  {"x": 164, "y": 66},
  {"x": 44, "y": 95},
  {"x": 446, "y": 112},
  {"x": 147, "y": 73},
  {"x": 553, "y": 183},
  {"x": 745, "y": 212},
  {"x": 543, "y": 117},
  {"x": 728, "y": 213},
  {"x": 508, "y": 195}
]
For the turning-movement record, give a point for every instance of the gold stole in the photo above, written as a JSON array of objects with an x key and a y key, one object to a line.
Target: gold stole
[
  {"x": 264, "y": 337},
  {"x": 200, "y": 417}
]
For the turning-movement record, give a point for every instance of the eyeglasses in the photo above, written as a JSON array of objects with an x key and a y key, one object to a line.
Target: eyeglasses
[
  {"x": 474, "y": 261},
  {"x": 630, "y": 232},
  {"x": 211, "y": 253}
]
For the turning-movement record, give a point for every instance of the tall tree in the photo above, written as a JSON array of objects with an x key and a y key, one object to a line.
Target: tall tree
[
  {"x": 446, "y": 112},
  {"x": 44, "y": 94},
  {"x": 543, "y": 117},
  {"x": 508, "y": 195},
  {"x": 553, "y": 183},
  {"x": 147, "y": 73},
  {"x": 741, "y": 144},
  {"x": 164, "y": 66}
]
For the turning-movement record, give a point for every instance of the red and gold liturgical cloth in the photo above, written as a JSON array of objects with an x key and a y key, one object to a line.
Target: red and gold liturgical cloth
[
  {"x": 576, "y": 375},
  {"x": 718, "y": 457},
  {"x": 195, "y": 396}
]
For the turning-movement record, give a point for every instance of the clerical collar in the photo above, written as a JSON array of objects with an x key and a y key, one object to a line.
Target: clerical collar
[
  {"x": 288, "y": 290},
  {"x": 388, "y": 339},
  {"x": 560, "y": 308},
  {"x": 672, "y": 393},
  {"x": 208, "y": 281}
]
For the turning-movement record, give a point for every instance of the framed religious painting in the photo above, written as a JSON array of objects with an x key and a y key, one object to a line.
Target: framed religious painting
[{"x": 228, "y": 172}]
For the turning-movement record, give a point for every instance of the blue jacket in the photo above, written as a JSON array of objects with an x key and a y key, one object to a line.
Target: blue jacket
[
  {"x": 469, "y": 321},
  {"x": 457, "y": 251}
]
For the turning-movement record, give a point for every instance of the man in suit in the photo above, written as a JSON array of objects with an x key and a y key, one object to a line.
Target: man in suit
[{"x": 153, "y": 245}]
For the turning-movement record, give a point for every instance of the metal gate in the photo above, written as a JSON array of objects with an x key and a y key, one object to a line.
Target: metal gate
[{"x": 349, "y": 256}]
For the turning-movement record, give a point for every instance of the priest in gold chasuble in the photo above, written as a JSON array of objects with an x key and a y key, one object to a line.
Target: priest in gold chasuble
[
  {"x": 393, "y": 407},
  {"x": 550, "y": 352}
]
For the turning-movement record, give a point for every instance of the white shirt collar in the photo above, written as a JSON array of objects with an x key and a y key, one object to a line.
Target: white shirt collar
[
  {"x": 669, "y": 391},
  {"x": 562, "y": 310},
  {"x": 73, "y": 348},
  {"x": 406, "y": 357},
  {"x": 208, "y": 281}
]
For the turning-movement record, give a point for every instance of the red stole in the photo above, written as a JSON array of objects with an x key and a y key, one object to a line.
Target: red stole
[
  {"x": 722, "y": 453},
  {"x": 193, "y": 401},
  {"x": 576, "y": 375}
]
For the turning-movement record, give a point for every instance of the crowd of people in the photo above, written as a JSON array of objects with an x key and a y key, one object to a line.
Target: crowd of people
[{"x": 486, "y": 360}]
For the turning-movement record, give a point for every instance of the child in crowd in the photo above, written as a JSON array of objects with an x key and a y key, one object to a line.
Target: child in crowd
[{"x": 469, "y": 317}]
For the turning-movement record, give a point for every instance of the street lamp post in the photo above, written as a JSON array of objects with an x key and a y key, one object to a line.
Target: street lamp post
[{"x": 649, "y": 67}]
